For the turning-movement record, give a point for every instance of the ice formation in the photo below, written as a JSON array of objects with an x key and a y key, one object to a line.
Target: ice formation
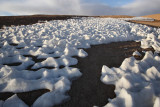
[
  {"x": 136, "y": 53},
  {"x": 135, "y": 82},
  {"x": 151, "y": 41},
  {"x": 57, "y": 42},
  {"x": 138, "y": 19}
]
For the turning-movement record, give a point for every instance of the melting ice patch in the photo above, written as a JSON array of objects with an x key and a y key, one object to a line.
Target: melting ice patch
[
  {"x": 135, "y": 81},
  {"x": 56, "y": 42}
]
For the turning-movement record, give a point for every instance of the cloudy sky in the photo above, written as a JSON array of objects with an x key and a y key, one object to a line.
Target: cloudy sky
[{"x": 79, "y": 7}]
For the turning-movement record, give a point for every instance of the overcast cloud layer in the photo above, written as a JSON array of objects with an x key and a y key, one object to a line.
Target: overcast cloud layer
[{"x": 77, "y": 7}]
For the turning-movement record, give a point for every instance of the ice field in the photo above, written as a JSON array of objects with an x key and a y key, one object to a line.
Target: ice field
[{"x": 54, "y": 43}]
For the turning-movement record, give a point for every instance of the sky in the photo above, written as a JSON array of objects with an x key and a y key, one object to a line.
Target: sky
[{"x": 79, "y": 7}]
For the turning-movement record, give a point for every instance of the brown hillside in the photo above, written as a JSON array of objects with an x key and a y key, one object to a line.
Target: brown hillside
[
  {"x": 155, "y": 23},
  {"x": 154, "y": 16},
  {"x": 116, "y": 16}
]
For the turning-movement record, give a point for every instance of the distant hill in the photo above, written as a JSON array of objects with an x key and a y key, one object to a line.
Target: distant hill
[
  {"x": 116, "y": 16},
  {"x": 154, "y": 16}
]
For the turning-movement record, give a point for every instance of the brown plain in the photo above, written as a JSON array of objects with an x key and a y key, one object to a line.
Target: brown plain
[
  {"x": 154, "y": 16},
  {"x": 155, "y": 23},
  {"x": 116, "y": 16}
]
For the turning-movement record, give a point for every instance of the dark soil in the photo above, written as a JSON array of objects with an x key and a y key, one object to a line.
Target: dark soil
[
  {"x": 88, "y": 90},
  {"x": 28, "y": 97},
  {"x": 26, "y": 20}
]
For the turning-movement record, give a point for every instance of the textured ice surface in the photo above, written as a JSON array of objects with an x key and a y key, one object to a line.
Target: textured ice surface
[
  {"x": 138, "y": 19},
  {"x": 136, "y": 53},
  {"x": 14, "y": 101},
  {"x": 56, "y": 42},
  {"x": 151, "y": 41},
  {"x": 135, "y": 81}
]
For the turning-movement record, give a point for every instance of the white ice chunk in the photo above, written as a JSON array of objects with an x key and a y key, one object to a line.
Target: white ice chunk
[
  {"x": 124, "y": 99},
  {"x": 14, "y": 101},
  {"x": 139, "y": 82},
  {"x": 56, "y": 96},
  {"x": 108, "y": 75},
  {"x": 153, "y": 73},
  {"x": 136, "y": 53},
  {"x": 49, "y": 62},
  {"x": 70, "y": 51},
  {"x": 157, "y": 102},
  {"x": 57, "y": 41},
  {"x": 67, "y": 61},
  {"x": 82, "y": 53},
  {"x": 51, "y": 99},
  {"x": 151, "y": 41},
  {"x": 21, "y": 85}
]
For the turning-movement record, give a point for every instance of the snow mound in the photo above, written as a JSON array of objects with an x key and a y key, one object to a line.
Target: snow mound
[
  {"x": 14, "y": 101},
  {"x": 136, "y": 53},
  {"x": 138, "y": 19},
  {"x": 135, "y": 81},
  {"x": 57, "y": 42},
  {"x": 151, "y": 41}
]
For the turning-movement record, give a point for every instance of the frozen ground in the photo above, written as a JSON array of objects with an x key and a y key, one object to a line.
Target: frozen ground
[
  {"x": 135, "y": 81},
  {"x": 54, "y": 43},
  {"x": 138, "y": 19}
]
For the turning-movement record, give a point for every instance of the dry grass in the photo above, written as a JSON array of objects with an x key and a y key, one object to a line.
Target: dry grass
[
  {"x": 154, "y": 16},
  {"x": 116, "y": 16},
  {"x": 25, "y": 20},
  {"x": 155, "y": 23}
]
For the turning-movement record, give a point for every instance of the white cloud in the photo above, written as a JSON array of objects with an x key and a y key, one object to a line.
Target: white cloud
[
  {"x": 77, "y": 7},
  {"x": 99, "y": 9},
  {"x": 21, "y": 7},
  {"x": 136, "y": 8},
  {"x": 143, "y": 7}
]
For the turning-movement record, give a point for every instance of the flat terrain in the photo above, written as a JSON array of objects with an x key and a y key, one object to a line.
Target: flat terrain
[
  {"x": 116, "y": 16},
  {"x": 154, "y": 16},
  {"x": 88, "y": 90},
  {"x": 155, "y": 23},
  {"x": 26, "y": 20}
]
